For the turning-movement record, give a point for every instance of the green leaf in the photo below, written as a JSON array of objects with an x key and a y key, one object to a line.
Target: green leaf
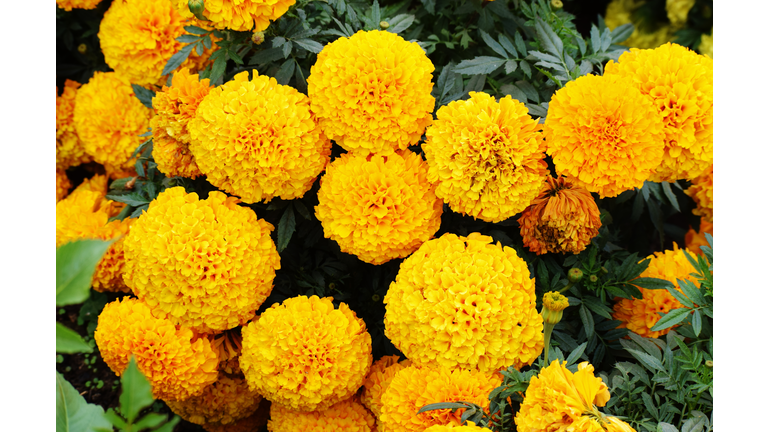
[
  {"x": 75, "y": 264},
  {"x": 679, "y": 296},
  {"x": 587, "y": 320},
  {"x": 134, "y": 199},
  {"x": 217, "y": 70},
  {"x": 400, "y": 23},
  {"x": 266, "y": 56},
  {"x": 285, "y": 228},
  {"x": 649, "y": 361},
  {"x": 73, "y": 413},
  {"x": 177, "y": 59},
  {"x": 309, "y": 45},
  {"x": 507, "y": 44},
  {"x": 187, "y": 39},
  {"x": 649, "y": 405},
  {"x": 674, "y": 317},
  {"x": 693, "y": 293},
  {"x": 375, "y": 13},
  {"x": 136, "y": 393},
  {"x": 574, "y": 356},
  {"x": 476, "y": 83},
  {"x": 69, "y": 342},
  {"x": 195, "y": 30},
  {"x": 493, "y": 44},
  {"x": 479, "y": 65},
  {"x": 302, "y": 209},
  {"x": 234, "y": 56},
  {"x": 510, "y": 66},
  {"x": 115, "y": 419},
  {"x": 670, "y": 195},
  {"x": 622, "y": 33},
  {"x": 696, "y": 322},
  {"x": 168, "y": 427},
  {"x": 144, "y": 95},
  {"x": 516, "y": 93},
  {"x": 441, "y": 405},
  {"x": 150, "y": 421},
  {"x": 287, "y": 48},
  {"x": 520, "y": 44},
  {"x": 283, "y": 75},
  {"x": 666, "y": 427},
  {"x": 548, "y": 38},
  {"x": 652, "y": 283},
  {"x": 596, "y": 306}
]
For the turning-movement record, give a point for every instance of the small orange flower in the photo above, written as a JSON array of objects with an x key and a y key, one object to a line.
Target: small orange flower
[{"x": 348, "y": 415}]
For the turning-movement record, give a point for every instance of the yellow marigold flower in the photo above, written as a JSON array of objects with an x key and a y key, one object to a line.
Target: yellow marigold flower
[
  {"x": 639, "y": 315},
  {"x": 559, "y": 400},
  {"x": 378, "y": 207},
  {"x": 487, "y": 157},
  {"x": 204, "y": 264},
  {"x": 706, "y": 45},
  {"x": 224, "y": 402},
  {"x": 239, "y": 15},
  {"x": 62, "y": 184},
  {"x": 562, "y": 218},
  {"x": 258, "y": 139},
  {"x": 347, "y": 415},
  {"x": 176, "y": 362},
  {"x": 469, "y": 427},
  {"x": 69, "y": 149},
  {"x": 612, "y": 424},
  {"x": 68, "y": 5},
  {"x": 377, "y": 381},
  {"x": 229, "y": 345},
  {"x": 414, "y": 387},
  {"x": 701, "y": 190},
  {"x": 174, "y": 107},
  {"x": 109, "y": 120},
  {"x": 680, "y": 83},
  {"x": 604, "y": 134},
  {"x": 371, "y": 92},
  {"x": 306, "y": 355},
  {"x": 695, "y": 240},
  {"x": 464, "y": 302},
  {"x": 677, "y": 11},
  {"x": 553, "y": 305}
]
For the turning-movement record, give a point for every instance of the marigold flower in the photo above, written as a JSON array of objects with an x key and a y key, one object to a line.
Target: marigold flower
[
  {"x": 604, "y": 134},
  {"x": 694, "y": 240},
  {"x": 204, "y": 264},
  {"x": 562, "y": 218},
  {"x": 224, "y": 402},
  {"x": 175, "y": 107},
  {"x": 371, "y": 92},
  {"x": 378, "y": 379},
  {"x": 553, "y": 305},
  {"x": 469, "y": 427},
  {"x": 68, "y": 5},
  {"x": 347, "y": 415},
  {"x": 680, "y": 83},
  {"x": 486, "y": 157},
  {"x": 706, "y": 45},
  {"x": 306, "y": 355},
  {"x": 239, "y": 15},
  {"x": 62, "y": 184},
  {"x": 677, "y": 11},
  {"x": 109, "y": 119},
  {"x": 464, "y": 302},
  {"x": 176, "y": 362},
  {"x": 378, "y": 207},
  {"x": 229, "y": 346},
  {"x": 640, "y": 315},
  {"x": 702, "y": 191},
  {"x": 258, "y": 139},
  {"x": 414, "y": 387},
  {"x": 69, "y": 149},
  {"x": 253, "y": 423}
]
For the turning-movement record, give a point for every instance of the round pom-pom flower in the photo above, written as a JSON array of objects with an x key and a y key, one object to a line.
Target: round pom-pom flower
[
  {"x": 563, "y": 218},
  {"x": 464, "y": 302},
  {"x": 680, "y": 83},
  {"x": 62, "y": 184},
  {"x": 68, "y": 5},
  {"x": 258, "y": 139},
  {"x": 604, "y": 134},
  {"x": 109, "y": 119},
  {"x": 640, "y": 315},
  {"x": 378, "y": 207},
  {"x": 174, "y": 107},
  {"x": 176, "y": 362},
  {"x": 371, "y": 92},
  {"x": 702, "y": 191},
  {"x": 69, "y": 149},
  {"x": 224, "y": 402},
  {"x": 414, "y": 387},
  {"x": 238, "y": 15},
  {"x": 204, "y": 264},
  {"x": 487, "y": 157},
  {"x": 348, "y": 415},
  {"x": 378, "y": 379},
  {"x": 306, "y": 355}
]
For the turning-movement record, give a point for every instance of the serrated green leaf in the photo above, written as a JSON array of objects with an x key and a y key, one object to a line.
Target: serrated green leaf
[
  {"x": 510, "y": 66},
  {"x": 492, "y": 44},
  {"x": 674, "y": 317},
  {"x": 526, "y": 68},
  {"x": 441, "y": 405},
  {"x": 516, "y": 93},
  {"x": 285, "y": 228},
  {"x": 136, "y": 392},
  {"x": 73, "y": 413},
  {"x": 69, "y": 342},
  {"x": 75, "y": 264},
  {"x": 479, "y": 65},
  {"x": 187, "y": 38},
  {"x": 574, "y": 356},
  {"x": 287, "y": 48},
  {"x": 696, "y": 322},
  {"x": 309, "y": 45},
  {"x": 548, "y": 39},
  {"x": 177, "y": 59},
  {"x": 283, "y": 75},
  {"x": 691, "y": 291},
  {"x": 139, "y": 211},
  {"x": 235, "y": 57},
  {"x": 266, "y": 56},
  {"x": 144, "y": 95},
  {"x": 508, "y": 45},
  {"x": 679, "y": 296},
  {"x": 596, "y": 306},
  {"x": 375, "y": 13},
  {"x": 400, "y": 23},
  {"x": 529, "y": 90},
  {"x": 195, "y": 30},
  {"x": 134, "y": 199},
  {"x": 670, "y": 195},
  {"x": 622, "y": 33},
  {"x": 217, "y": 70},
  {"x": 587, "y": 320},
  {"x": 302, "y": 209},
  {"x": 647, "y": 360},
  {"x": 652, "y": 283},
  {"x": 476, "y": 83}
]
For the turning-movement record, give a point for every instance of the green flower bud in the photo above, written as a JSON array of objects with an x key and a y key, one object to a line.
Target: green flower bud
[
  {"x": 709, "y": 363},
  {"x": 384, "y": 25},
  {"x": 82, "y": 48},
  {"x": 575, "y": 275},
  {"x": 197, "y": 7},
  {"x": 257, "y": 38},
  {"x": 593, "y": 278},
  {"x": 556, "y": 4},
  {"x": 553, "y": 305}
]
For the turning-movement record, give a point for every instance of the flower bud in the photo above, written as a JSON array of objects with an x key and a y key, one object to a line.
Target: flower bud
[
  {"x": 553, "y": 305},
  {"x": 556, "y": 4},
  {"x": 709, "y": 363},
  {"x": 603, "y": 270},
  {"x": 197, "y": 7},
  {"x": 575, "y": 275},
  {"x": 257, "y": 38},
  {"x": 82, "y": 48},
  {"x": 384, "y": 25},
  {"x": 593, "y": 278}
]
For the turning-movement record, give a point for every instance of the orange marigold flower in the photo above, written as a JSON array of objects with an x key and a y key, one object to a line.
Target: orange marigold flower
[
  {"x": 563, "y": 218},
  {"x": 174, "y": 107},
  {"x": 414, "y": 387},
  {"x": 486, "y": 157},
  {"x": 176, "y": 362},
  {"x": 258, "y": 139},
  {"x": 306, "y": 355},
  {"x": 378, "y": 379},
  {"x": 347, "y": 415},
  {"x": 469, "y": 427},
  {"x": 695, "y": 240},
  {"x": 229, "y": 345},
  {"x": 702, "y": 191},
  {"x": 69, "y": 149},
  {"x": 68, "y": 5},
  {"x": 464, "y": 302},
  {"x": 680, "y": 83},
  {"x": 604, "y": 134},
  {"x": 378, "y": 207},
  {"x": 62, "y": 184},
  {"x": 204, "y": 264},
  {"x": 371, "y": 92},
  {"x": 640, "y": 315},
  {"x": 109, "y": 120},
  {"x": 239, "y": 15},
  {"x": 224, "y": 402}
]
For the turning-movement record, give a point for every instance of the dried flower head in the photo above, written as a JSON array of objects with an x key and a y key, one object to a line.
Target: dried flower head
[
  {"x": 694, "y": 240},
  {"x": 176, "y": 362},
  {"x": 486, "y": 157},
  {"x": 371, "y": 92},
  {"x": 224, "y": 402},
  {"x": 306, "y": 355},
  {"x": 378, "y": 207},
  {"x": 68, "y": 5},
  {"x": 378, "y": 379},
  {"x": 69, "y": 149},
  {"x": 204, "y": 264},
  {"x": 702, "y": 191},
  {"x": 464, "y": 302},
  {"x": 239, "y": 15},
  {"x": 348, "y": 415},
  {"x": 62, "y": 184},
  {"x": 258, "y": 139}
]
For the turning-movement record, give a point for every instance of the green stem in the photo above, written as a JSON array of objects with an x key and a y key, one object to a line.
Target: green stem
[
  {"x": 547, "y": 337},
  {"x": 567, "y": 287}
]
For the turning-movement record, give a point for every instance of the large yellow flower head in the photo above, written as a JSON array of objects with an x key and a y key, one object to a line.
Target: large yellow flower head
[
  {"x": 62, "y": 184},
  {"x": 694, "y": 240},
  {"x": 680, "y": 83},
  {"x": 378, "y": 207},
  {"x": 204, "y": 264},
  {"x": 604, "y": 134},
  {"x": 174, "y": 107},
  {"x": 69, "y": 149},
  {"x": 414, "y": 387},
  {"x": 68, "y": 5},
  {"x": 371, "y": 92},
  {"x": 306, "y": 355},
  {"x": 464, "y": 302},
  {"x": 258, "y": 139},
  {"x": 639, "y": 315},
  {"x": 109, "y": 119},
  {"x": 348, "y": 415},
  {"x": 702, "y": 191},
  {"x": 563, "y": 218},
  {"x": 378, "y": 379},
  {"x": 176, "y": 362},
  {"x": 239, "y": 15},
  {"x": 487, "y": 157},
  {"x": 224, "y": 402}
]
